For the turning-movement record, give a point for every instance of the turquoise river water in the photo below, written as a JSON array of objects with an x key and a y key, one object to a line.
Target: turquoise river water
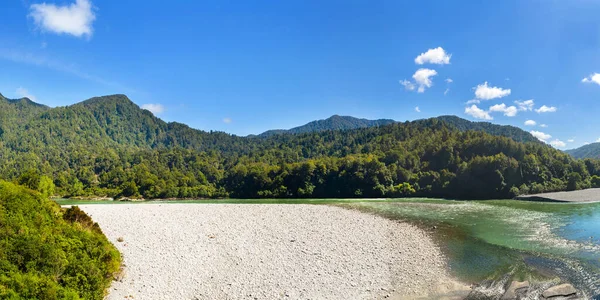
[{"x": 485, "y": 240}]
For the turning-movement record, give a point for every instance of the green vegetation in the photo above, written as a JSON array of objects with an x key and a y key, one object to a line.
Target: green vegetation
[
  {"x": 49, "y": 253},
  {"x": 332, "y": 123},
  {"x": 108, "y": 146},
  {"x": 586, "y": 151}
]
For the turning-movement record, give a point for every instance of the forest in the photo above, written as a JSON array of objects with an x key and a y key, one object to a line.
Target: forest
[{"x": 109, "y": 147}]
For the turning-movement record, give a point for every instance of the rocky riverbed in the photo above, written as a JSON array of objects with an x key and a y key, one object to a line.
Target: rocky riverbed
[{"x": 238, "y": 251}]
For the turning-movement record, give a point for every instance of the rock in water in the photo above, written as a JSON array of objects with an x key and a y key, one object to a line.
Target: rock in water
[
  {"x": 562, "y": 290},
  {"x": 516, "y": 287}
]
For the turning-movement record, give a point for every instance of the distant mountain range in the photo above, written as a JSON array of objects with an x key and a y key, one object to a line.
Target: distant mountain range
[
  {"x": 586, "y": 151},
  {"x": 334, "y": 122}
]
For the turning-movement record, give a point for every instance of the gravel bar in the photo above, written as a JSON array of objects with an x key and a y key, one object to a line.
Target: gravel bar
[
  {"x": 588, "y": 195},
  {"x": 270, "y": 251}
]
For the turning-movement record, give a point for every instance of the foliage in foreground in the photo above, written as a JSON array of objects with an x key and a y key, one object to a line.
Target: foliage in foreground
[{"x": 50, "y": 253}]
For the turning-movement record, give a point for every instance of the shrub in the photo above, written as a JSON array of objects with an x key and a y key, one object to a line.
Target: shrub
[{"x": 48, "y": 253}]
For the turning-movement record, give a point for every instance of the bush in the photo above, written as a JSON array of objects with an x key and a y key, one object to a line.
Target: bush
[{"x": 48, "y": 253}]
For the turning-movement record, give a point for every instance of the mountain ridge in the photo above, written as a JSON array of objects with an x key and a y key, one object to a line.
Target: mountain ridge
[{"x": 335, "y": 122}]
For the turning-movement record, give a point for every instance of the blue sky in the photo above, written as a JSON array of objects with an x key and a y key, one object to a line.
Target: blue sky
[{"x": 248, "y": 66}]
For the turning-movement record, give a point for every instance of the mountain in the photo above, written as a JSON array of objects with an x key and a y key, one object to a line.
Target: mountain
[
  {"x": 586, "y": 151},
  {"x": 515, "y": 133},
  {"x": 334, "y": 122},
  {"x": 346, "y": 123},
  {"x": 108, "y": 146}
]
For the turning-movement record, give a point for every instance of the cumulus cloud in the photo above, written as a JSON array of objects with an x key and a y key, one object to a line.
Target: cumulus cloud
[
  {"x": 545, "y": 109},
  {"x": 530, "y": 123},
  {"x": 540, "y": 135},
  {"x": 558, "y": 143},
  {"x": 485, "y": 92},
  {"x": 509, "y": 111},
  {"x": 449, "y": 80},
  {"x": 409, "y": 86},
  {"x": 436, "y": 56},
  {"x": 477, "y": 113},
  {"x": 24, "y": 93},
  {"x": 227, "y": 120},
  {"x": 526, "y": 105},
  {"x": 571, "y": 140},
  {"x": 75, "y": 19},
  {"x": 417, "y": 109},
  {"x": 423, "y": 78},
  {"x": 543, "y": 125},
  {"x": 593, "y": 78},
  {"x": 155, "y": 108}
]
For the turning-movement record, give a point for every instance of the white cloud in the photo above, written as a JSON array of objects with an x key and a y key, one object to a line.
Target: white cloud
[
  {"x": 473, "y": 101},
  {"x": 509, "y": 111},
  {"x": 543, "y": 125},
  {"x": 526, "y": 105},
  {"x": 446, "y": 92},
  {"x": 545, "y": 109},
  {"x": 408, "y": 85},
  {"x": 485, "y": 92},
  {"x": 594, "y": 77},
  {"x": 586, "y": 143},
  {"x": 155, "y": 108},
  {"x": 449, "y": 80},
  {"x": 478, "y": 113},
  {"x": 571, "y": 140},
  {"x": 436, "y": 56},
  {"x": 22, "y": 92},
  {"x": 423, "y": 78},
  {"x": 417, "y": 109},
  {"x": 530, "y": 123},
  {"x": 227, "y": 120},
  {"x": 558, "y": 143},
  {"x": 540, "y": 135},
  {"x": 74, "y": 19}
]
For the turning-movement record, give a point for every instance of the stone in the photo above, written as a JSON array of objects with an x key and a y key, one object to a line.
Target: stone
[
  {"x": 515, "y": 288},
  {"x": 562, "y": 290}
]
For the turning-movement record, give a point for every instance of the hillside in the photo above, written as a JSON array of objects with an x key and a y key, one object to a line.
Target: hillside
[
  {"x": 515, "y": 133},
  {"x": 334, "y": 122},
  {"x": 586, "y": 151},
  {"x": 108, "y": 146}
]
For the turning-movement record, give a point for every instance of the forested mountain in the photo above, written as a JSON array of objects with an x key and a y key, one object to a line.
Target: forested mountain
[
  {"x": 515, "y": 133},
  {"x": 586, "y": 151},
  {"x": 108, "y": 146},
  {"x": 334, "y": 122},
  {"x": 344, "y": 123}
]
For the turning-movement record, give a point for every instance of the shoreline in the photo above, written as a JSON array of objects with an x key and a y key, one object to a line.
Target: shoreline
[
  {"x": 579, "y": 196},
  {"x": 237, "y": 251}
]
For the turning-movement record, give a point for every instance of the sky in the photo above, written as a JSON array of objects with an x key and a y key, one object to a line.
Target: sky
[{"x": 245, "y": 67}]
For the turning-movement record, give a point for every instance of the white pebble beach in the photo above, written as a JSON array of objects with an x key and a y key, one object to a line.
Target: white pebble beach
[{"x": 270, "y": 251}]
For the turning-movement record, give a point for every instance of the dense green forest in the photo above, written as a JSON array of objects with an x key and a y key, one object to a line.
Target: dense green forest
[
  {"x": 586, "y": 151},
  {"x": 332, "y": 123},
  {"x": 51, "y": 253},
  {"x": 108, "y": 146}
]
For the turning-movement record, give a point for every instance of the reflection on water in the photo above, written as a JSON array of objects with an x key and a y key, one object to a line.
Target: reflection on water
[{"x": 488, "y": 239}]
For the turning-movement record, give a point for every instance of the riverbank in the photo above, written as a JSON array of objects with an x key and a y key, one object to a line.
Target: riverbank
[
  {"x": 587, "y": 196},
  {"x": 181, "y": 251}
]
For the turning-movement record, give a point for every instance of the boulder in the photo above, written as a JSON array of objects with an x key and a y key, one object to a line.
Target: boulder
[
  {"x": 515, "y": 288},
  {"x": 563, "y": 290}
]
